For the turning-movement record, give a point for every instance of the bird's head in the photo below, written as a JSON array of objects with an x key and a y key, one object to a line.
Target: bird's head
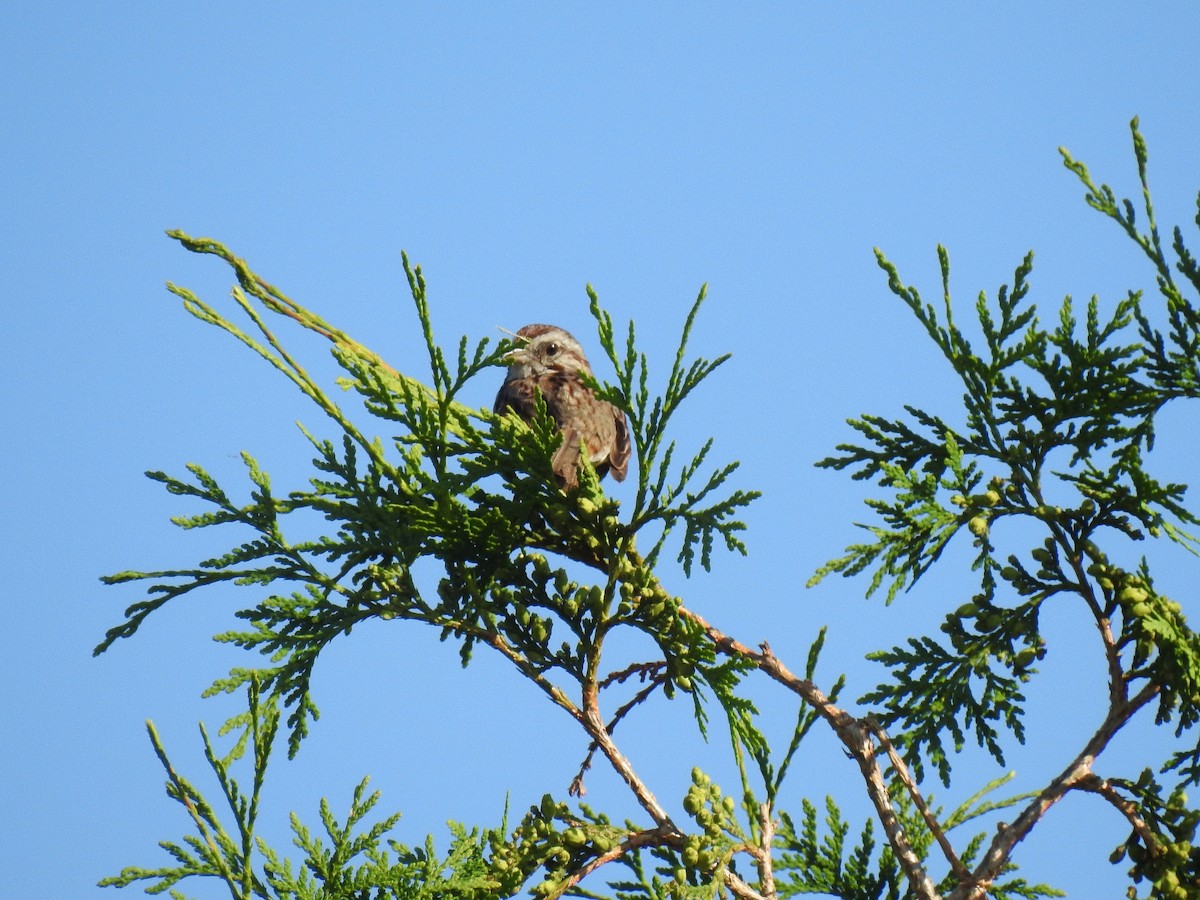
[{"x": 543, "y": 349}]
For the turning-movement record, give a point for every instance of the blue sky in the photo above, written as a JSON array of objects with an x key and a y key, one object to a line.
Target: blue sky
[{"x": 518, "y": 152}]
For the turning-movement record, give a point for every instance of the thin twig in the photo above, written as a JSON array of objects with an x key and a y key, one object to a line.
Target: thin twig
[
  {"x": 1094, "y": 784},
  {"x": 905, "y": 775},
  {"x": 652, "y": 837},
  {"x": 552, "y": 690},
  {"x": 577, "y": 789}
]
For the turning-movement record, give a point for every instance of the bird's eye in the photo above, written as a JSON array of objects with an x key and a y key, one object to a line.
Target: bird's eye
[{"x": 552, "y": 349}]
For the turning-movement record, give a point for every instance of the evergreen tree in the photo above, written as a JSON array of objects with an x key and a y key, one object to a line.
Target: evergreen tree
[{"x": 545, "y": 578}]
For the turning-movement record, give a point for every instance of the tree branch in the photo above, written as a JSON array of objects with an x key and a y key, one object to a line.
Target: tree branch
[
  {"x": 577, "y": 789},
  {"x": 594, "y": 725},
  {"x": 1077, "y": 775},
  {"x": 855, "y": 737},
  {"x": 905, "y": 775},
  {"x": 766, "y": 867},
  {"x": 1094, "y": 784}
]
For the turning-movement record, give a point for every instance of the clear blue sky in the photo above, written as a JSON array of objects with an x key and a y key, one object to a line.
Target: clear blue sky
[{"x": 517, "y": 151}]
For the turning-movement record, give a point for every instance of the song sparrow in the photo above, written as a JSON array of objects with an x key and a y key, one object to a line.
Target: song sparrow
[{"x": 548, "y": 360}]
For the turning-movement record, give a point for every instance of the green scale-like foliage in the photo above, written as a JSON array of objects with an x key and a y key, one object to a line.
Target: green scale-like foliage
[
  {"x": 1057, "y": 424},
  {"x": 460, "y": 486}
]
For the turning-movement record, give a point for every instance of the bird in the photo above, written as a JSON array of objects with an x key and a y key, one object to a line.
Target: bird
[{"x": 548, "y": 360}]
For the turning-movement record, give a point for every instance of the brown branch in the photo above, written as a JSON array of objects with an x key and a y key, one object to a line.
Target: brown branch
[
  {"x": 1094, "y": 784},
  {"x": 1077, "y": 775},
  {"x": 594, "y": 725},
  {"x": 552, "y": 690},
  {"x": 766, "y": 865},
  {"x": 643, "y": 670},
  {"x": 905, "y": 775},
  {"x": 739, "y": 888},
  {"x": 855, "y": 737},
  {"x": 577, "y": 789},
  {"x": 652, "y": 837},
  {"x": 671, "y": 834}
]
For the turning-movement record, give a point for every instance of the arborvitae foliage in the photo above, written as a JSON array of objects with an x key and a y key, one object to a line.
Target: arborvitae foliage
[{"x": 1057, "y": 423}]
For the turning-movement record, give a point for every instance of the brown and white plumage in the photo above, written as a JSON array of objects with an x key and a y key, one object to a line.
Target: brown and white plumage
[{"x": 548, "y": 360}]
